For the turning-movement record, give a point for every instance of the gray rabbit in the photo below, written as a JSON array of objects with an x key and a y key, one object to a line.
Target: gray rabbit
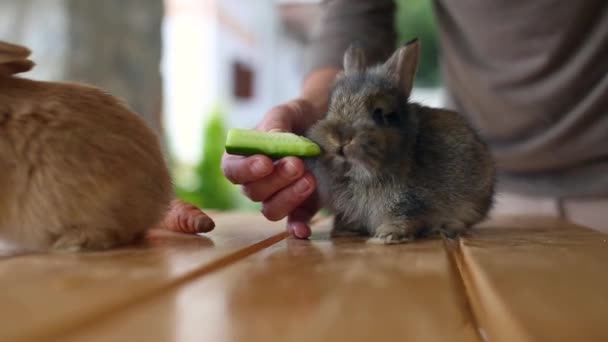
[{"x": 393, "y": 169}]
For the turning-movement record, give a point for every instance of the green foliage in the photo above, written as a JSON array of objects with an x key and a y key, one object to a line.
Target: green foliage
[
  {"x": 415, "y": 18},
  {"x": 210, "y": 189}
]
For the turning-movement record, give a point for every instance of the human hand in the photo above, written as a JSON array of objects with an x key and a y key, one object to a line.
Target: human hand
[{"x": 284, "y": 187}]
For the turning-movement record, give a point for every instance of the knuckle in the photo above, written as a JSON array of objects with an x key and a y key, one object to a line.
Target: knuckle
[
  {"x": 293, "y": 108},
  {"x": 301, "y": 189},
  {"x": 235, "y": 170},
  {"x": 296, "y": 197},
  {"x": 279, "y": 117},
  {"x": 272, "y": 214},
  {"x": 295, "y": 161},
  {"x": 289, "y": 171},
  {"x": 229, "y": 173},
  {"x": 281, "y": 109},
  {"x": 293, "y": 200},
  {"x": 279, "y": 208},
  {"x": 253, "y": 193}
]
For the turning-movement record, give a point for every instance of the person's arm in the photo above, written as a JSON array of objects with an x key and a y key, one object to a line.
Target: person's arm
[
  {"x": 370, "y": 22},
  {"x": 343, "y": 22},
  {"x": 312, "y": 103}
]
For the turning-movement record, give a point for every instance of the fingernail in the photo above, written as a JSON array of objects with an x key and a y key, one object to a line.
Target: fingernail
[
  {"x": 302, "y": 186},
  {"x": 258, "y": 168},
  {"x": 299, "y": 233},
  {"x": 290, "y": 170},
  {"x": 300, "y": 230}
]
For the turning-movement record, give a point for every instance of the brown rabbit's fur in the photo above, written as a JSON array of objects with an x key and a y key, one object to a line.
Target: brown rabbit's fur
[
  {"x": 394, "y": 169},
  {"x": 79, "y": 170}
]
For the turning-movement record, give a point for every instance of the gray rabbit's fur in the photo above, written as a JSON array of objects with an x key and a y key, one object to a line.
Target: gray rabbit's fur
[{"x": 394, "y": 169}]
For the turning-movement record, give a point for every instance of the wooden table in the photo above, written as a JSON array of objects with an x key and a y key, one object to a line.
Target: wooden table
[{"x": 513, "y": 279}]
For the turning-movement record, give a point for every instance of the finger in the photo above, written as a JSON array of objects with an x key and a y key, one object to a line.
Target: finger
[
  {"x": 297, "y": 223},
  {"x": 288, "y": 117},
  {"x": 299, "y": 230},
  {"x": 186, "y": 218},
  {"x": 279, "y": 118},
  {"x": 241, "y": 170},
  {"x": 287, "y": 171},
  {"x": 288, "y": 199}
]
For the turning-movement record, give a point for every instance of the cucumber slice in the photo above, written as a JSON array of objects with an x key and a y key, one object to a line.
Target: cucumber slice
[{"x": 248, "y": 142}]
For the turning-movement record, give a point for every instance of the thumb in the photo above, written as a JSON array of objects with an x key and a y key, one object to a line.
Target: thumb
[
  {"x": 284, "y": 118},
  {"x": 298, "y": 224},
  {"x": 278, "y": 119},
  {"x": 298, "y": 221}
]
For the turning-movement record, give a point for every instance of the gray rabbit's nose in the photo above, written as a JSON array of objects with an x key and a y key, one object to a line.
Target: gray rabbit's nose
[
  {"x": 347, "y": 144},
  {"x": 340, "y": 150}
]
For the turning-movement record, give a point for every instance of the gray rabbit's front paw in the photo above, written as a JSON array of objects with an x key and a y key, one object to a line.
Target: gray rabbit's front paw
[{"x": 391, "y": 233}]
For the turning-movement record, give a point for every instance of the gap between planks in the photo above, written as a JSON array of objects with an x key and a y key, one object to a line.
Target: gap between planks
[
  {"x": 482, "y": 302},
  {"x": 478, "y": 292},
  {"x": 480, "y": 295},
  {"x": 141, "y": 298},
  {"x": 463, "y": 283}
]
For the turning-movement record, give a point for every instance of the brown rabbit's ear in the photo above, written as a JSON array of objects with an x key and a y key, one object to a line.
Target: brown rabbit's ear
[
  {"x": 13, "y": 59},
  {"x": 403, "y": 64},
  {"x": 354, "y": 58}
]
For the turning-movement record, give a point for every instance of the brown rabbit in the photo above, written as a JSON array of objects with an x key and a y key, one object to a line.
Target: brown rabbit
[
  {"x": 78, "y": 169},
  {"x": 395, "y": 169}
]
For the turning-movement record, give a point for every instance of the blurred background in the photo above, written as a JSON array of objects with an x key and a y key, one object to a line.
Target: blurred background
[{"x": 193, "y": 68}]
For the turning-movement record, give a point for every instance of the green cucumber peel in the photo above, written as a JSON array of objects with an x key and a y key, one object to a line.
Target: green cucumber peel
[{"x": 247, "y": 142}]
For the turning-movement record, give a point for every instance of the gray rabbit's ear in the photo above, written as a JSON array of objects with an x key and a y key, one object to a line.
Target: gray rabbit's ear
[
  {"x": 354, "y": 58},
  {"x": 403, "y": 64}
]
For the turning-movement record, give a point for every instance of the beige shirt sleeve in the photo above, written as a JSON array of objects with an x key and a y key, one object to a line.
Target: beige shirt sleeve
[{"x": 371, "y": 22}]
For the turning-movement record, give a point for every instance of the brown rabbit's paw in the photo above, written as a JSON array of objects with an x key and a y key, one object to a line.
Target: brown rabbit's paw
[
  {"x": 393, "y": 234},
  {"x": 67, "y": 244}
]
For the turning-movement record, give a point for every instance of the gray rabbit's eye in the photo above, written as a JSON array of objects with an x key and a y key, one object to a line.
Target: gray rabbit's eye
[
  {"x": 392, "y": 118},
  {"x": 381, "y": 118},
  {"x": 378, "y": 116}
]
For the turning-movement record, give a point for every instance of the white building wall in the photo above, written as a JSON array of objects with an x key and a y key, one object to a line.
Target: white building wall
[{"x": 200, "y": 44}]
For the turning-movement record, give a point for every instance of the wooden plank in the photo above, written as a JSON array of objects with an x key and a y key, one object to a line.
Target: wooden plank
[
  {"x": 548, "y": 282},
  {"x": 48, "y": 294},
  {"x": 318, "y": 290}
]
